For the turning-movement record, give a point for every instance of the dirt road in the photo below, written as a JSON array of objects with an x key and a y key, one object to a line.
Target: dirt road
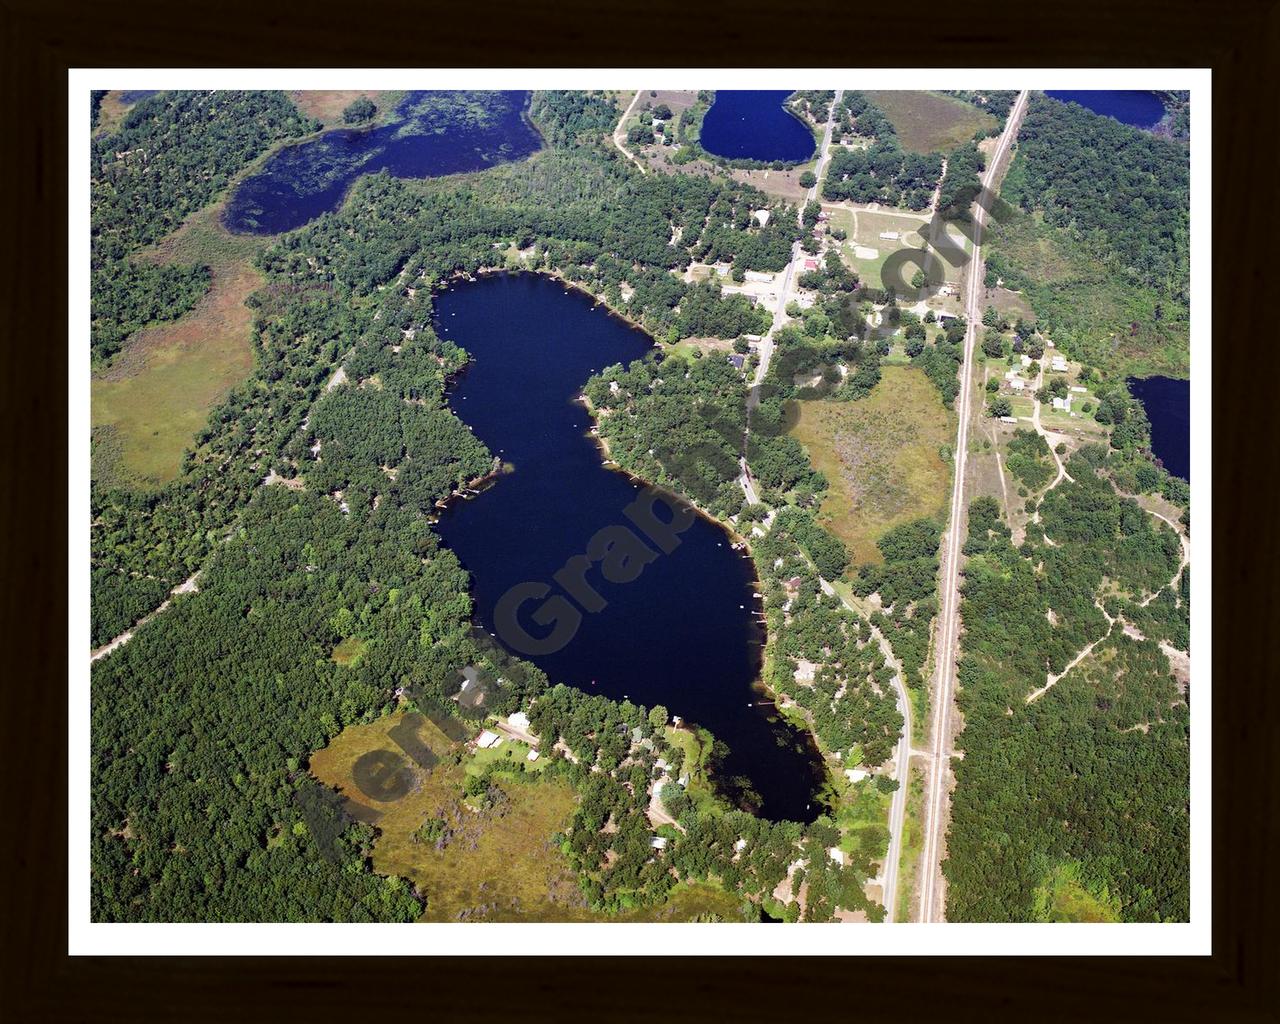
[
  {"x": 620, "y": 134},
  {"x": 932, "y": 905}
]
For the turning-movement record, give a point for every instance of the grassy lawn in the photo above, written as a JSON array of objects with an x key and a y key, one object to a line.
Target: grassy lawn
[
  {"x": 864, "y": 228},
  {"x": 881, "y": 457},
  {"x": 696, "y": 745},
  {"x": 927, "y": 121},
  {"x": 912, "y": 842}
]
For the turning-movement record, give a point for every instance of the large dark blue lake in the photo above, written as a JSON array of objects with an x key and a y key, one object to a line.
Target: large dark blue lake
[
  {"x": 430, "y": 134},
  {"x": 1168, "y": 405},
  {"x": 682, "y": 634},
  {"x": 753, "y": 125},
  {"x": 1140, "y": 109}
]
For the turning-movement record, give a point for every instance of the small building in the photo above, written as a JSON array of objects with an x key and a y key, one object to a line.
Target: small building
[
  {"x": 810, "y": 264},
  {"x": 739, "y": 846},
  {"x": 1062, "y": 404},
  {"x": 836, "y": 854},
  {"x": 889, "y": 236},
  {"x": 658, "y": 843},
  {"x": 532, "y": 756},
  {"x": 855, "y": 774},
  {"x": 1017, "y": 383},
  {"x": 1009, "y": 419},
  {"x": 762, "y": 217},
  {"x": 683, "y": 781},
  {"x": 1058, "y": 364},
  {"x": 1080, "y": 391},
  {"x": 1026, "y": 359},
  {"x": 488, "y": 739},
  {"x": 519, "y": 720},
  {"x": 737, "y": 360}
]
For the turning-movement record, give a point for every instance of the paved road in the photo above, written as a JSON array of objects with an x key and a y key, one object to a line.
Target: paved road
[{"x": 932, "y": 896}]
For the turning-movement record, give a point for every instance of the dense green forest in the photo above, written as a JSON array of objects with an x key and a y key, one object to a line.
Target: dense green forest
[
  {"x": 575, "y": 209},
  {"x": 203, "y": 723},
  {"x": 1091, "y": 778},
  {"x": 1103, "y": 253},
  {"x": 173, "y": 153},
  {"x": 1121, "y": 192}
]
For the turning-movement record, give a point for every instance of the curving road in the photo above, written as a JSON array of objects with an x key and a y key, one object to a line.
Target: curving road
[{"x": 932, "y": 905}]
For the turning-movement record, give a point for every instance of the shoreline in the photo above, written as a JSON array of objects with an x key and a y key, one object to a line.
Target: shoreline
[{"x": 740, "y": 544}]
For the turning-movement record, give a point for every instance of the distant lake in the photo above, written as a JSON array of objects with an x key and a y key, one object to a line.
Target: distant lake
[
  {"x": 753, "y": 125},
  {"x": 431, "y": 134},
  {"x": 684, "y": 633},
  {"x": 1168, "y": 405},
  {"x": 1140, "y": 109}
]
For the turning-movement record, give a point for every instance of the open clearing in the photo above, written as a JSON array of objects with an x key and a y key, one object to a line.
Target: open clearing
[
  {"x": 327, "y": 105},
  {"x": 928, "y": 122},
  {"x": 864, "y": 250},
  {"x": 159, "y": 390},
  {"x": 881, "y": 456},
  {"x": 498, "y": 863}
]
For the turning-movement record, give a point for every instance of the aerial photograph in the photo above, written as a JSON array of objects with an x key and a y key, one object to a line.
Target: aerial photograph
[{"x": 638, "y": 505}]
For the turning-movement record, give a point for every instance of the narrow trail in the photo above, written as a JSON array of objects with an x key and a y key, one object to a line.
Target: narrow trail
[
  {"x": 1185, "y": 543},
  {"x": 620, "y": 135},
  {"x": 187, "y": 586}
]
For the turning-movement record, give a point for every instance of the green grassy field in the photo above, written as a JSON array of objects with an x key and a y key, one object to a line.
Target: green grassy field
[
  {"x": 912, "y": 843},
  {"x": 927, "y": 122},
  {"x": 1063, "y": 898},
  {"x": 1092, "y": 312},
  {"x": 159, "y": 390},
  {"x": 881, "y": 457}
]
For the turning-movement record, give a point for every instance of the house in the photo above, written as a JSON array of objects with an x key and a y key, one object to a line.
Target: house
[
  {"x": 1017, "y": 383},
  {"x": 810, "y": 264},
  {"x": 824, "y": 216},
  {"x": 519, "y": 720},
  {"x": 1026, "y": 359},
  {"x": 891, "y": 236},
  {"x": 759, "y": 276},
  {"x": 1062, "y": 404},
  {"x": 488, "y": 739},
  {"x": 532, "y": 756},
  {"x": 1080, "y": 391},
  {"x": 836, "y": 854},
  {"x": 1008, "y": 419},
  {"x": 1059, "y": 364},
  {"x": 762, "y": 217},
  {"x": 658, "y": 843},
  {"x": 854, "y": 774},
  {"x": 737, "y": 361}
]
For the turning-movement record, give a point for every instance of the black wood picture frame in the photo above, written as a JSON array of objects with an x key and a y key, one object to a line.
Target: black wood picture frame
[{"x": 1239, "y": 40}]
